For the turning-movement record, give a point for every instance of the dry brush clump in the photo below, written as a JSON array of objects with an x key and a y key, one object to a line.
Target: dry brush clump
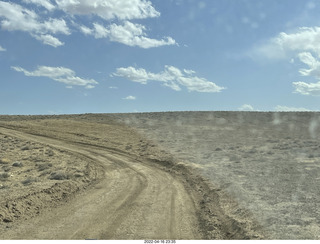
[
  {"x": 49, "y": 153},
  {"x": 4, "y": 161},
  {"x": 59, "y": 175},
  {"x": 6, "y": 168},
  {"x": 25, "y": 148},
  {"x": 29, "y": 181},
  {"x": 44, "y": 166},
  {"x": 4, "y": 176}
]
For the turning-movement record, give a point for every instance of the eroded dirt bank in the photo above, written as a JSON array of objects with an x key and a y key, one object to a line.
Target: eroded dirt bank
[{"x": 88, "y": 176}]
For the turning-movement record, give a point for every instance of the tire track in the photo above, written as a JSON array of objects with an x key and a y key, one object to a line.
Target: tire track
[
  {"x": 136, "y": 197},
  {"x": 132, "y": 201}
]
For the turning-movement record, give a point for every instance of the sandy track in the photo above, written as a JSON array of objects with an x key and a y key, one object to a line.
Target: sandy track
[{"x": 133, "y": 201}]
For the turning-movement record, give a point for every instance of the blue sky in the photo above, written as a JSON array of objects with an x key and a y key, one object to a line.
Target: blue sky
[{"x": 107, "y": 56}]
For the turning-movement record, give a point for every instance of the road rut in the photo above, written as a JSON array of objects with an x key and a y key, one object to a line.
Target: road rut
[{"x": 133, "y": 200}]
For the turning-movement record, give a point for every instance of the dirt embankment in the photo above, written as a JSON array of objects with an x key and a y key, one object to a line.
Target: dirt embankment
[{"x": 90, "y": 177}]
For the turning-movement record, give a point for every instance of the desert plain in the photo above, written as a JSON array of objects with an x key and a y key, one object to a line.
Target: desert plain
[{"x": 170, "y": 175}]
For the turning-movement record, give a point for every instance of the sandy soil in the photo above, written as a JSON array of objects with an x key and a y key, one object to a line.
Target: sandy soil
[
  {"x": 270, "y": 162},
  {"x": 92, "y": 177}
]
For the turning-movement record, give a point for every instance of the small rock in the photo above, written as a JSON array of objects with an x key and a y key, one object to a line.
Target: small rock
[{"x": 17, "y": 164}]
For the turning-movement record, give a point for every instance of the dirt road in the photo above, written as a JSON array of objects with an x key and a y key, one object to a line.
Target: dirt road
[
  {"x": 132, "y": 201},
  {"x": 91, "y": 177}
]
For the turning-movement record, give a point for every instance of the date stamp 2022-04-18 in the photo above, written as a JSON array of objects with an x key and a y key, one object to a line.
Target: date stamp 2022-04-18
[{"x": 160, "y": 242}]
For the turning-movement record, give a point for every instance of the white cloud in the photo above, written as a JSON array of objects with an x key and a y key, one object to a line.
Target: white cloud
[
  {"x": 285, "y": 45},
  {"x": 90, "y": 87},
  {"x": 99, "y": 31},
  {"x": 287, "y": 109},
  {"x": 189, "y": 71},
  {"x": 307, "y": 88},
  {"x": 47, "y": 71},
  {"x": 136, "y": 75},
  {"x": 60, "y": 74},
  {"x": 44, "y": 3},
  {"x": 56, "y": 26},
  {"x": 314, "y": 71},
  {"x": 2, "y": 49},
  {"x": 246, "y": 107},
  {"x": 303, "y": 44},
  {"x": 133, "y": 35},
  {"x": 128, "y": 33},
  {"x": 171, "y": 77},
  {"x": 313, "y": 64},
  {"x": 130, "y": 98},
  {"x": 111, "y": 9},
  {"x": 85, "y": 30},
  {"x": 16, "y": 18},
  {"x": 49, "y": 40}
]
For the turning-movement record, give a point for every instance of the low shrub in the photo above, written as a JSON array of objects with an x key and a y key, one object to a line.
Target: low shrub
[
  {"x": 6, "y": 168},
  {"x": 29, "y": 181},
  {"x": 50, "y": 153},
  {"x": 24, "y": 148},
  {"x": 3, "y": 187},
  {"x": 78, "y": 175},
  {"x": 44, "y": 166},
  {"x": 58, "y": 176},
  {"x": 4, "y": 176}
]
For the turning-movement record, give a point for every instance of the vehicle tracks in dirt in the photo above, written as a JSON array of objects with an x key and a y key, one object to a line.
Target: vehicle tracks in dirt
[
  {"x": 132, "y": 196},
  {"x": 131, "y": 201}
]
